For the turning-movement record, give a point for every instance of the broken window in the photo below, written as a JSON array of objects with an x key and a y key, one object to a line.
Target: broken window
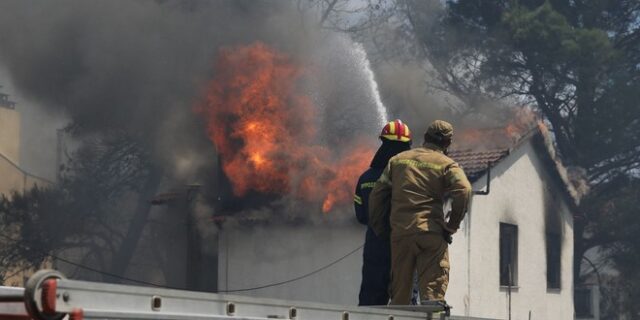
[
  {"x": 508, "y": 254},
  {"x": 553, "y": 261}
]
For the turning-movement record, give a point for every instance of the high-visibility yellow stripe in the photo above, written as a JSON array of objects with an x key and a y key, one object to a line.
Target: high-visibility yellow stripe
[
  {"x": 455, "y": 176},
  {"x": 384, "y": 179},
  {"x": 357, "y": 199},
  {"x": 418, "y": 164},
  {"x": 392, "y": 127},
  {"x": 407, "y": 132},
  {"x": 368, "y": 185},
  {"x": 394, "y": 137}
]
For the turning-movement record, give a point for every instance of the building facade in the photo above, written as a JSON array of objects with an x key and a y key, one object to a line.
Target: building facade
[
  {"x": 14, "y": 178},
  {"x": 512, "y": 256}
]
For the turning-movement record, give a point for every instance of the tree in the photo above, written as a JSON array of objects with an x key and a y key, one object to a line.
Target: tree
[
  {"x": 82, "y": 215},
  {"x": 347, "y": 16},
  {"x": 577, "y": 62},
  {"x": 613, "y": 227}
]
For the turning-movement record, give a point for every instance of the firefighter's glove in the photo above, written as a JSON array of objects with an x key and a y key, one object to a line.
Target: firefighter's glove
[{"x": 447, "y": 236}]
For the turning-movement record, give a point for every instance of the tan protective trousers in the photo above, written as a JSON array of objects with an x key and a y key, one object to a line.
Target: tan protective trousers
[{"x": 425, "y": 252}]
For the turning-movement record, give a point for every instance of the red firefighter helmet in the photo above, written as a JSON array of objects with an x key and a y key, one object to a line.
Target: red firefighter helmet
[{"x": 396, "y": 130}]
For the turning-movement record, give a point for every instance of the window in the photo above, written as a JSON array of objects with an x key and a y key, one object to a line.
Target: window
[
  {"x": 508, "y": 254},
  {"x": 553, "y": 261},
  {"x": 583, "y": 303}
]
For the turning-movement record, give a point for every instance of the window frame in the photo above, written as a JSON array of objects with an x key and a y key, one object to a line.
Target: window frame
[
  {"x": 554, "y": 263},
  {"x": 508, "y": 240},
  {"x": 583, "y": 306}
]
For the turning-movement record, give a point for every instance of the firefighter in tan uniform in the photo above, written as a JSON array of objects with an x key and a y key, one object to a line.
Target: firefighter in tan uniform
[{"x": 414, "y": 187}]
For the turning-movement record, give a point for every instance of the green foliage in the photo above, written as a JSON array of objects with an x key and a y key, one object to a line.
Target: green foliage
[
  {"x": 578, "y": 62},
  {"x": 614, "y": 228},
  {"x": 546, "y": 36},
  {"x": 18, "y": 216},
  {"x": 612, "y": 210}
]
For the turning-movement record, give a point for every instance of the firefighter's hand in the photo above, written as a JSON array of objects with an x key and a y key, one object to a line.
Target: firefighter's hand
[{"x": 447, "y": 236}]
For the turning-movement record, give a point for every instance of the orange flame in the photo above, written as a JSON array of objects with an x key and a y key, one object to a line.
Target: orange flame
[
  {"x": 522, "y": 121},
  {"x": 264, "y": 130},
  {"x": 343, "y": 183}
]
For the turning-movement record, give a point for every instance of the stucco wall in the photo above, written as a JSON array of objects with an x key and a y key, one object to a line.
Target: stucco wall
[
  {"x": 521, "y": 193},
  {"x": 10, "y": 134},
  {"x": 12, "y": 177},
  {"x": 255, "y": 256}
]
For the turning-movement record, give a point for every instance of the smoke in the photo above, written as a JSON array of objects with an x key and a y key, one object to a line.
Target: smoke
[
  {"x": 405, "y": 89},
  {"x": 37, "y": 133},
  {"x": 125, "y": 65},
  {"x": 140, "y": 67},
  {"x": 347, "y": 90}
]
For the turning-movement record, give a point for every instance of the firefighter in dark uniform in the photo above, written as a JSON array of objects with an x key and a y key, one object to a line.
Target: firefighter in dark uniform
[{"x": 376, "y": 267}]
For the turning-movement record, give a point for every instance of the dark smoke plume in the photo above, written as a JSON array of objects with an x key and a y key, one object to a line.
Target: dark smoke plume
[
  {"x": 124, "y": 65},
  {"x": 140, "y": 67}
]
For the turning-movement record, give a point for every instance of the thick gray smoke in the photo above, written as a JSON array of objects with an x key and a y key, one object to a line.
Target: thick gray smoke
[
  {"x": 140, "y": 66},
  {"x": 123, "y": 65},
  {"x": 404, "y": 87}
]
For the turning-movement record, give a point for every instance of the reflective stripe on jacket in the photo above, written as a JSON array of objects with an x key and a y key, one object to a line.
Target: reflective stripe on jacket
[
  {"x": 361, "y": 197},
  {"x": 416, "y": 184}
]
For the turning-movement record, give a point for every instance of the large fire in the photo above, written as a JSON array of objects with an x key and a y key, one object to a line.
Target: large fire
[{"x": 265, "y": 130}]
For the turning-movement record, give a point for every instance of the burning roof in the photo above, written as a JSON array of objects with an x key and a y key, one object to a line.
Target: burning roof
[
  {"x": 266, "y": 131},
  {"x": 476, "y": 149},
  {"x": 495, "y": 144}
]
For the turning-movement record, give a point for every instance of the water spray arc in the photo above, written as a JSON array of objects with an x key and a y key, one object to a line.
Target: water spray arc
[{"x": 362, "y": 59}]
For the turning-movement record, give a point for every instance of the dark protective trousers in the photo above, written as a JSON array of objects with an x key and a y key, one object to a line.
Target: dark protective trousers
[
  {"x": 376, "y": 271},
  {"x": 425, "y": 252}
]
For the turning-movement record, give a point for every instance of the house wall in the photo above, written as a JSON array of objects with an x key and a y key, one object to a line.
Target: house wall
[
  {"x": 257, "y": 256},
  {"x": 12, "y": 177},
  {"x": 10, "y": 151},
  {"x": 10, "y": 134},
  {"x": 521, "y": 194},
  {"x": 16, "y": 179}
]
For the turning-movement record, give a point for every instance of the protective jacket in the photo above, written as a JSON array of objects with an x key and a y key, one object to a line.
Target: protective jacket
[
  {"x": 416, "y": 184},
  {"x": 376, "y": 266}
]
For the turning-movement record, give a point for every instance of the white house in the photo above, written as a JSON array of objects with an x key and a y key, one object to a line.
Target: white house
[{"x": 522, "y": 227}]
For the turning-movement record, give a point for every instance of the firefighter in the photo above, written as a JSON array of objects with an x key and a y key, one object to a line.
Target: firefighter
[
  {"x": 376, "y": 267},
  {"x": 415, "y": 185}
]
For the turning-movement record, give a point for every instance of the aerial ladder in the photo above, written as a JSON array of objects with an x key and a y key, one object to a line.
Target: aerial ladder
[{"x": 49, "y": 295}]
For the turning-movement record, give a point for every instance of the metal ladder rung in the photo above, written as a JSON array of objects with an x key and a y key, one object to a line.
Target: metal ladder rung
[{"x": 12, "y": 304}]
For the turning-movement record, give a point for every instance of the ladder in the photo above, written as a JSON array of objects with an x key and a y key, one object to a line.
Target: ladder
[
  {"x": 48, "y": 295},
  {"x": 11, "y": 305}
]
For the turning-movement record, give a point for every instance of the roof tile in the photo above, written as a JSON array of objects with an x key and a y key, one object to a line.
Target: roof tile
[{"x": 475, "y": 163}]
